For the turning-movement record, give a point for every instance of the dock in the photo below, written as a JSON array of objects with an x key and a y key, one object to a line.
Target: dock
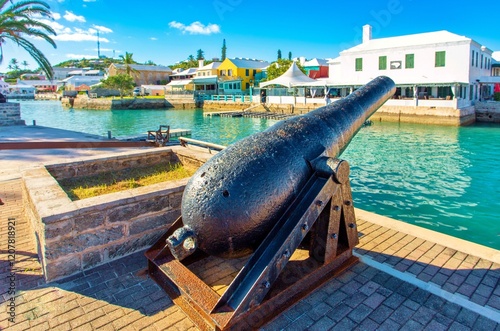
[{"x": 240, "y": 113}]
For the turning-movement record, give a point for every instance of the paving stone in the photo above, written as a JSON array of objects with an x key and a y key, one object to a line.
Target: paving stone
[
  {"x": 394, "y": 301},
  {"x": 401, "y": 314},
  {"x": 324, "y": 323},
  {"x": 411, "y": 325},
  {"x": 338, "y": 312},
  {"x": 319, "y": 310},
  {"x": 367, "y": 325},
  {"x": 302, "y": 323},
  {"x": 374, "y": 300},
  {"x": 466, "y": 317},
  {"x": 355, "y": 299},
  {"x": 360, "y": 313},
  {"x": 435, "y": 326},
  {"x": 389, "y": 325}
]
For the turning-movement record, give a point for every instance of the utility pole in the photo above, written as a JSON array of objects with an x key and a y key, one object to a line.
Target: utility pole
[{"x": 98, "y": 46}]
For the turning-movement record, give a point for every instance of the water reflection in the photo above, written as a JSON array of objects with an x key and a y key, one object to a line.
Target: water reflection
[{"x": 443, "y": 178}]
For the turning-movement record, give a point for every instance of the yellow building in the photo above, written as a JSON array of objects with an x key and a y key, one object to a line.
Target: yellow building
[
  {"x": 237, "y": 75},
  {"x": 143, "y": 74}
]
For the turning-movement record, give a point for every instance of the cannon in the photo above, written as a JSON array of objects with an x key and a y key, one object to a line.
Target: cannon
[
  {"x": 235, "y": 198},
  {"x": 267, "y": 195}
]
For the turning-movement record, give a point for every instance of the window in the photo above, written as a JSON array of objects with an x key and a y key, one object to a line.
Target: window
[
  {"x": 254, "y": 72},
  {"x": 482, "y": 59},
  {"x": 472, "y": 63},
  {"x": 476, "y": 58},
  {"x": 440, "y": 58},
  {"x": 247, "y": 72},
  {"x": 382, "y": 62},
  {"x": 229, "y": 72},
  {"x": 410, "y": 61},
  {"x": 359, "y": 64}
]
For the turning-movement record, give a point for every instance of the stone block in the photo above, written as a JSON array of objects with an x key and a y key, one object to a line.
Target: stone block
[
  {"x": 161, "y": 221},
  {"x": 88, "y": 221},
  {"x": 80, "y": 242},
  {"x": 62, "y": 228},
  {"x": 62, "y": 268},
  {"x": 131, "y": 245},
  {"x": 91, "y": 259},
  {"x": 130, "y": 211}
]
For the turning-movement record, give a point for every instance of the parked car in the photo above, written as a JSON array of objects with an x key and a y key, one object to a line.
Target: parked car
[{"x": 136, "y": 92}]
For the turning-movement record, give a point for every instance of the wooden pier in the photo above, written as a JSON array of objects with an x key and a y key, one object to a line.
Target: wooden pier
[{"x": 239, "y": 113}]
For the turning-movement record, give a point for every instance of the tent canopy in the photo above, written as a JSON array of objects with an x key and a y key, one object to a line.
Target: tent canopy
[{"x": 292, "y": 77}]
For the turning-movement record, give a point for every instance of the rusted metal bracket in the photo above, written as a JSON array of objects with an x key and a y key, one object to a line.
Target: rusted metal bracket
[{"x": 321, "y": 220}]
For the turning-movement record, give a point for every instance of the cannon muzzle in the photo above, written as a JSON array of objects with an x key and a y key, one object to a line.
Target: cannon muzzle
[{"x": 231, "y": 203}]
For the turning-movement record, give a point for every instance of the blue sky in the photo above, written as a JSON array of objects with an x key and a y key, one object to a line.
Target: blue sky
[{"x": 166, "y": 32}]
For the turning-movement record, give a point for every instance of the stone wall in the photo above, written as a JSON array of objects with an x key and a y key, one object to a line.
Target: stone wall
[
  {"x": 10, "y": 114},
  {"x": 425, "y": 115},
  {"x": 83, "y": 102},
  {"x": 73, "y": 236},
  {"x": 488, "y": 111}
]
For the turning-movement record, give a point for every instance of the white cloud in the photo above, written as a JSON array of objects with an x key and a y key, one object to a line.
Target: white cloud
[
  {"x": 102, "y": 29},
  {"x": 89, "y": 0},
  {"x": 79, "y": 36},
  {"x": 56, "y": 16},
  {"x": 153, "y": 38},
  {"x": 195, "y": 28},
  {"x": 69, "y": 16}
]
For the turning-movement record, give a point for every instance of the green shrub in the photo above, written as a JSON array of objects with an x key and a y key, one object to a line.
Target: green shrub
[{"x": 496, "y": 96}]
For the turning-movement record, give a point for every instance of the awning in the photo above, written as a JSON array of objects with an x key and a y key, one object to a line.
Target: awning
[
  {"x": 205, "y": 80},
  {"x": 180, "y": 82}
]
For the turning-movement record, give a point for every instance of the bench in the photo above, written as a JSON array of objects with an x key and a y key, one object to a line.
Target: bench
[{"x": 160, "y": 137}]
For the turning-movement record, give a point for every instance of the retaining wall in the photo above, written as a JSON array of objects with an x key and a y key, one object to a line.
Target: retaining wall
[
  {"x": 73, "y": 236},
  {"x": 10, "y": 114},
  {"x": 488, "y": 111}
]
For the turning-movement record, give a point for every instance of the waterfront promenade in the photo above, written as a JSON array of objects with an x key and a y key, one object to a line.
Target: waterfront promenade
[{"x": 408, "y": 278}]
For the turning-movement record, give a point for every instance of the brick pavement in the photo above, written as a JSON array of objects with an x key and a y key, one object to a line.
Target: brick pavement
[{"x": 370, "y": 295}]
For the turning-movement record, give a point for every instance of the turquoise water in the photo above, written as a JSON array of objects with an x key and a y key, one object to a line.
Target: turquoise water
[{"x": 442, "y": 178}]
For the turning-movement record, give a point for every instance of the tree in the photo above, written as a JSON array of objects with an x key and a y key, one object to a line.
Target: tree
[
  {"x": 150, "y": 63},
  {"x": 122, "y": 82},
  {"x": 13, "y": 64},
  {"x": 128, "y": 61},
  {"x": 223, "y": 55},
  {"x": 199, "y": 55},
  {"x": 290, "y": 56},
  {"x": 25, "y": 64},
  {"x": 279, "y": 67},
  {"x": 18, "y": 23},
  {"x": 279, "y": 54}
]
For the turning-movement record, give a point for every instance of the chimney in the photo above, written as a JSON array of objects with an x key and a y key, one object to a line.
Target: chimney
[
  {"x": 367, "y": 33},
  {"x": 200, "y": 63}
]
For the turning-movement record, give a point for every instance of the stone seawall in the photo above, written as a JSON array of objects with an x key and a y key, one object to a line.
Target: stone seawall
[
  {"x": 425, "y": 115},
  {"x": 488, "y": 111},
  {"x": 82, "y": 102},
  {"x": 73, "y": 236},
  {"x": 10, "y": 114}
]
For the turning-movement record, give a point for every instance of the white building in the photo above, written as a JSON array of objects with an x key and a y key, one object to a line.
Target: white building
[{"x": 436, "y": 65}]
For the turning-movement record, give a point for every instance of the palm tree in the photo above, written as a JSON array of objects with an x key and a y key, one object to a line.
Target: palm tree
[
  {"x": 25, "y": 64},
  {"x": 18, "y": 22},
  {"x": 128, "y": 61},
  {"x": 13, "y": 64}
]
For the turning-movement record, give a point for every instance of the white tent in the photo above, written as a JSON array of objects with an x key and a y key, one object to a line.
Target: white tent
[{"x": 291, "y": 78}]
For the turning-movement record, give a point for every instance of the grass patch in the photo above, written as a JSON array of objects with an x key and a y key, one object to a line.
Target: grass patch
[{"x": 114, "y": 181}]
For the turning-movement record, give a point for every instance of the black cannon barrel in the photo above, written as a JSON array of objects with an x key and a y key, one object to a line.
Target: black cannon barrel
[{"x": 234, "y": 199}]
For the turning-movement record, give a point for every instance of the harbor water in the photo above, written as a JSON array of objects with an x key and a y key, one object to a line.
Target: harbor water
[{"x": 442, "y": 178}]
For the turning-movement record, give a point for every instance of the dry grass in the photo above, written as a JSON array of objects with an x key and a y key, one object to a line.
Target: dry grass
[{"x": 115, "y": 181}]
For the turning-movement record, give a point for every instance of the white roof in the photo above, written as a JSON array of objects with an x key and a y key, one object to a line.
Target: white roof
[
  {"x": 315, "y": 63},
  {"x": 427, "y": 38},
  {"x": 292, "y": 77},
  {"x": 213, "y": 65},
  {"x": 180, "y": 82},
  {"x": 249, "y": 63},
  {"x": 187, "y": 72}
]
